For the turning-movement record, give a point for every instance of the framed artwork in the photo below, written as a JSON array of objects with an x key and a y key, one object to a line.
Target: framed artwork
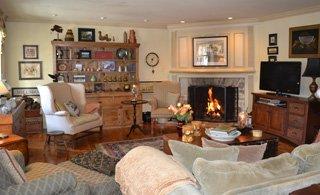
[
  {"x": 86, "y": 34},
  {"x": 108, "y": 66},
  {"x": 30, "y": 70},
  {"x": 85, "y": 54},
  {"x": 273, "y": 50},
  {"x": 30, "y": 52},
  {"x": 210, "y": 51},
  {"x": 273, "y": 39},
  {"x": 272, "y": 58},
  {"x": 147, "y": 86},
  {"x": 304, "y": 41},
  {"x": 20, "y": 91}
]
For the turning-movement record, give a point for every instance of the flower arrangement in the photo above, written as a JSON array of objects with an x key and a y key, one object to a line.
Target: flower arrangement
[{"x": 182, "y": 112}]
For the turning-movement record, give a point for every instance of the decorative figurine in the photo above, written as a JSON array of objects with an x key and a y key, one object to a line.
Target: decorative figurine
[
  {"x": 132, "y": 37},
  {"x": 69, "y": 35},
  {"x": 125, "y": 37},
  {"x": 104, "y": 38},
  {"x": 58, "y": 29}
]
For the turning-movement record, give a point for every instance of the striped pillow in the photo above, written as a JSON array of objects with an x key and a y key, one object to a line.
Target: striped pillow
[{"x": 10, "y": 171}]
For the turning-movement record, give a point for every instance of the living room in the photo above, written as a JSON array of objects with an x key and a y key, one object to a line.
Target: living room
[{"x": 104, "y": 84}]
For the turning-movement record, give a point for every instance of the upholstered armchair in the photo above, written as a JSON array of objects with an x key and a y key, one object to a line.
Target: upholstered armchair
[
  {"x": 54, "y": 94},
  {"x": 166, "y": 93}
]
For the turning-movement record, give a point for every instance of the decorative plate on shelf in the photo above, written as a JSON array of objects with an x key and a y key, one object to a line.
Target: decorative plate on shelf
[
  {"x": 62, "y": 67},
  {"x": 122, "y": 53}
]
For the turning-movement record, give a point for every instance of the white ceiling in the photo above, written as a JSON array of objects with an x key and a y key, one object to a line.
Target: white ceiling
[{"x": 159, "y": 13}]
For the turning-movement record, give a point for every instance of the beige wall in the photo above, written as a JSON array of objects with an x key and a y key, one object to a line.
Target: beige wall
[
  {"x": 281, "y": 27},
  {"x": 156, "y": 40}
]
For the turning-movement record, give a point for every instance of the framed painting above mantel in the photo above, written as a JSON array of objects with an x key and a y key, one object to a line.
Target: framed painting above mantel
[
  {"x": 210, "y": 51},
  {"x": 304, "y": 41}
]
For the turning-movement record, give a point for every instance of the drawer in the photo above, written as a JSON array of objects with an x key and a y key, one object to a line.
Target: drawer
[
  {"x": 296, "y": 121},
  {"x": 295, "y": 134},
  {"x": 297, "y": 108}
]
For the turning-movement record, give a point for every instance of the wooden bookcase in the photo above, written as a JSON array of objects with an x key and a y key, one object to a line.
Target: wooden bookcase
[
  {"x": 104, "y": 75},
  {"x": 297, "y": 120}
]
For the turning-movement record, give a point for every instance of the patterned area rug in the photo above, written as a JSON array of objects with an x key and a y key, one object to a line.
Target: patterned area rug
[{"x": 120, "y": 148}]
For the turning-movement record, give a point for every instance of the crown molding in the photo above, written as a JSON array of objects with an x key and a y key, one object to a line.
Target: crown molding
[
  {"x": 99, "y": 23},
  {"x": 297, "y": 12}
]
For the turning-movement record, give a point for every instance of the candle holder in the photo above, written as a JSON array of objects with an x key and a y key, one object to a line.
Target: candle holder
[
  {"x": 242, "y": 120},
  {"x": 187, "y": 133}
]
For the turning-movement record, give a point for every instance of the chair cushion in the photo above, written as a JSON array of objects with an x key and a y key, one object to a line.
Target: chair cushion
[
  {"x": 72, "y": 108},
  {"x": 96, "y": 160},
  {"x": 249, "y": 153},
  {"x": 217, "y": 177},
  {"x": 172, "y": 98},
  {"x": 84, "y": 118},
  {"x": 10, "y": 170},
  {"x": 186, "y": 154},
  {"x": 308, "y": 156},
  {"x": 161, "y": 113}
]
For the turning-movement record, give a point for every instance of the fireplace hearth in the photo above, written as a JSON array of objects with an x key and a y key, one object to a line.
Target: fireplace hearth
[{"x": 214, "y": 103}]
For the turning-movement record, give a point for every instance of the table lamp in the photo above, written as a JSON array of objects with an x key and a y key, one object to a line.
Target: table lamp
[{"x": 312, "y": 70}]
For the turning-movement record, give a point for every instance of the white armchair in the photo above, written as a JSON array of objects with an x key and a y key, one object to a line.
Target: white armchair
[{"x": 61, "y": 120}]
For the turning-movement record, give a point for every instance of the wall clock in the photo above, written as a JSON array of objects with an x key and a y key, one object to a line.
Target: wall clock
[{"x": 152, "y": 60}]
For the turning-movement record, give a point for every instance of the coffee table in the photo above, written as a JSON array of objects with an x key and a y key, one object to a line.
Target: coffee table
[{"x": 243, "y": 139}]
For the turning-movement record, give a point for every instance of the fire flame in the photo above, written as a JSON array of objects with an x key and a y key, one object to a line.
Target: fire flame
[{"x": 214, "y": 109}]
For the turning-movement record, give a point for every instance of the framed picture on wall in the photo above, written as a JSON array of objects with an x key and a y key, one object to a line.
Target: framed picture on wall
[
  {"x": 273, "y": 39},
  {"x": 272, "y": 58},
  {"x": 30, "y": 70},
  {"x": 30, "y": 52},
  {"x": 273, "y": 50},
  {"x": 304, "y": 41},
  {"x": 210, "y": 51},
  {"x": 86, "y": 34},
  {"x": 20, "y": 91}
]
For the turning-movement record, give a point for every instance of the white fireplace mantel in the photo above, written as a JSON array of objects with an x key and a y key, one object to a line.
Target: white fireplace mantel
[{"x": 243, "y": 70}]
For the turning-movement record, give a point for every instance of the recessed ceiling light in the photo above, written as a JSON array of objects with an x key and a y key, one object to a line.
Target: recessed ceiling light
[
  {"x": 102, "y": 17},
  {"x": 146, "y": 20},
  {"x": 182, "y": 22},
  {"x": 230, "y": 18},
  {"x": 54, "y": 15}
]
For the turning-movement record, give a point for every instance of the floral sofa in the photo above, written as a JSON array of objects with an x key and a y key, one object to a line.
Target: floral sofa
[{"x": 64, "y": 178}]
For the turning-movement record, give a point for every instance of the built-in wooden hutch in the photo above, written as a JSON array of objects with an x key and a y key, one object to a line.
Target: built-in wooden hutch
[{"x": 107, "y": 70}]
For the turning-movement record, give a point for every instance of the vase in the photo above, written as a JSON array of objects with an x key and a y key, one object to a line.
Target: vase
[{"x": 179, "y": 128}]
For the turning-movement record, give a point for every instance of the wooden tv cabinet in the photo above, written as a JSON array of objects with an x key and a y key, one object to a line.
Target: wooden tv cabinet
[{"x": 297, "y": 121}]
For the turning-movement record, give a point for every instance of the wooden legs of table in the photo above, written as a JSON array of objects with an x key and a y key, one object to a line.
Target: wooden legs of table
[
  {"x": 153, "y": 122},
  {"x": 59, "y": 143}
]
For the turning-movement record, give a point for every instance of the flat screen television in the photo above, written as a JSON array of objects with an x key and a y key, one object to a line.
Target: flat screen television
[{"x": 280, "y": 77}]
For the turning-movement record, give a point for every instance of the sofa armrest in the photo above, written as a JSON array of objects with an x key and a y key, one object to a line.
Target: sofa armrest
[
  {"x": 57, "y": 183},
  {"x": 61, "y": 113},
  {"x": 19, "y": 158}
]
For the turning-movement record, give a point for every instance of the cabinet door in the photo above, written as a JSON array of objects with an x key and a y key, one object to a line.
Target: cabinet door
[
  {"x": 277, "y": 120},
  {"x": 261, "y": 116}
]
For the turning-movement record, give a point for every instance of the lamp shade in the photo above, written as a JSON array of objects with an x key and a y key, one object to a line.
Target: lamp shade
[
  {"x": 3, "y": 89},
  {"x": 313, "y": 68}
]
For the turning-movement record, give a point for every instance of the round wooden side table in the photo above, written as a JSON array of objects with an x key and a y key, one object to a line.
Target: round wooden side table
[{"x": 58, "y": 140}]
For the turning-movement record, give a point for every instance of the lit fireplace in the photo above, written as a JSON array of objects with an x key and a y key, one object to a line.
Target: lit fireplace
[
  {"x": 214, "y": 103},
  {"x": 214, "y": 109}
]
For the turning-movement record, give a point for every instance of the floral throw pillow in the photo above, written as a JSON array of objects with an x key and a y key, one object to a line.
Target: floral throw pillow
[{"x": 72, "y": 108}]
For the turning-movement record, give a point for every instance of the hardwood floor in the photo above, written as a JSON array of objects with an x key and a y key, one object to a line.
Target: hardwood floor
[{"x": 37, "y": 152}]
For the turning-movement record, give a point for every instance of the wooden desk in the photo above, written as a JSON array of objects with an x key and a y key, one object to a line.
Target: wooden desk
[{"x": 15, "y": 142}]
